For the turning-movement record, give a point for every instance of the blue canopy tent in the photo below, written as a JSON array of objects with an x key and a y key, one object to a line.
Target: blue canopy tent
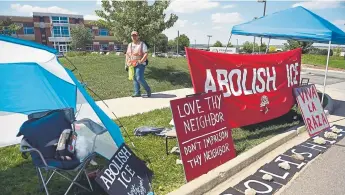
[
  {"x": 33, "y": 80},
  {"x": 295, "y": 23}
]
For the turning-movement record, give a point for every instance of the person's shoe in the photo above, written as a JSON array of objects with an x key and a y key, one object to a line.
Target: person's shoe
[
  {"x": 149, "y": 94},
  {"x": 136, "y": 95}
]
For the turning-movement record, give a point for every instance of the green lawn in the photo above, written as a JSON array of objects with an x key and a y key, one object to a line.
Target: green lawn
[
  {"x": 106, "y": 75},
  {"x": 319, "y": 60},
  {"x": 17, "y": 175}
]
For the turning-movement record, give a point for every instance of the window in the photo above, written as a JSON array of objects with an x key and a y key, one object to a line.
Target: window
[
  {"x": 89, "y": 47},
  {"x": 57, "y": 19},
  {"x": 28, "y": 30},
  {"x": 64, "y": 31},
  {"x": 103, "y": 32},
  {"x": 104, "y": 46},
  {"x": 60, "y": 31}
]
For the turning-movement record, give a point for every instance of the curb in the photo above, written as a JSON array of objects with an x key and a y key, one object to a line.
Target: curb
[
  {"x": 319, "y": 69},
  {"x": 218, "y": 175}
]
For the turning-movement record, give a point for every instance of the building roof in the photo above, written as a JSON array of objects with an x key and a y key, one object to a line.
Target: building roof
[{"x": 57, "y": 14}]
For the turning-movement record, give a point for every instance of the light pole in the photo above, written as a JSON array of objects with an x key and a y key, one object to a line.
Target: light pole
[
  {"x": 194, "y": 43},
  {"x": 237, "y": 45},
  {"x": 208, "y": 44},
  {"x": 263, "y": 1},
  {"x": 254, "y": 38},
  {"x": 178, "y": 35}
]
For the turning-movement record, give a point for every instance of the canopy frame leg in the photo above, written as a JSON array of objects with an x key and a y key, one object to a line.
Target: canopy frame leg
[
  {"x": 226, "y": 48},
  {"x": 268, "y": 46},
  {"x": 253, "y": 46},
  {"x": 325, "y": 79}
]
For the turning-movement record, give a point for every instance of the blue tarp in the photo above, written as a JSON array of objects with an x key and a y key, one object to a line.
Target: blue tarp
[{"x": 295, "y": 23}]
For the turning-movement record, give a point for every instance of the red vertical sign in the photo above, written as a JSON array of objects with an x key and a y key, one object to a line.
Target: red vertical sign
[{"x": 203, "y": 133}]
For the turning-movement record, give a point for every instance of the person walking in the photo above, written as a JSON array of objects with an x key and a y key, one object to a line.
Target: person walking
[{"x": 136, "y": 56}]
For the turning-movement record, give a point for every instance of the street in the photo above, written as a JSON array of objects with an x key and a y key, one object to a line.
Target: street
[{"x": 316, "y": 76}]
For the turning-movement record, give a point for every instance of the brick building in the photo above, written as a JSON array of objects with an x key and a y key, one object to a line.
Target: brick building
[{"x": 54, "y": 30}]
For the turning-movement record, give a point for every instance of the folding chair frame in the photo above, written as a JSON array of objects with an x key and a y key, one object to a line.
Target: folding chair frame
[{"x": 26, "y": 147}]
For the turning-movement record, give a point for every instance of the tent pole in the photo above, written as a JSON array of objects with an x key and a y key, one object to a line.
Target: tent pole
[
  {"x": 228, "y": 43},
  {"x": 253, "y": 46},
  {"x": 324, "y": 81},
  {"x": 268, "y": 46}
]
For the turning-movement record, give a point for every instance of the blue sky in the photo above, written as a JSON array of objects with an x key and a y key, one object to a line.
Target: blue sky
[{"x": 197, "y": 18}]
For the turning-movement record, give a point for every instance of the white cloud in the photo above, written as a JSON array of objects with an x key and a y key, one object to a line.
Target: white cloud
[
  {"x": 91, "y": 17},
  {"x": 340, "y": 24},
  {"x": 195, "y": 23},
  {"x": 228, "y": 6},
  {"x": 191, "y": 6},
  {"x": 226, "y": 18},
  {"x": 99, "y": 3},
  {"x": 319, "y": 4},
  {"x": 180, "y": 23},
  {"x": 28, "y": 9},
  {"x": 217, "y": 27}
]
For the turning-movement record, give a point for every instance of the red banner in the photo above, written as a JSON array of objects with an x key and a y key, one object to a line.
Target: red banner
[
  {"x": 203, "y": 133},
  {"x": 256, "y": 88}
]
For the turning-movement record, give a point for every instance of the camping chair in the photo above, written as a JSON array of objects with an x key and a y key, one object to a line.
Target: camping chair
[{"x": 40, "y": 136}]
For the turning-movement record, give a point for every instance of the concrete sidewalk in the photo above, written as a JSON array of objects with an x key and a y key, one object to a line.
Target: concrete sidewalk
[
  {"x": 128, "y": 106},
  {"x": 326, "y": 175}
]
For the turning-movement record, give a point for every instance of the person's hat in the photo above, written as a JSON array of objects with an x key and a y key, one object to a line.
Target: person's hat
[{"x": 134, "y": 33}]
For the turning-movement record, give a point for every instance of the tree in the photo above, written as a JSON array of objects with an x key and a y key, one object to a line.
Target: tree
[
  {"x": 217, "y": 44},
  {"x": 171, "y": 45},
  {"x": 272, "y": 49},
  {"x": 123, "y": 17},
  {"x": 161, "y": 43},
  {"x": 337, "y": 51},
  {"x": 81, "y": 36},
  {"x": 8, "y": 27},
  {"x": 291, "y": 44},
  {"x": 263, "y": 47},
  {"x": 183, "y": 41},
  {"x": 230, "y": 45},
  {"x": 248, "y": 47}
]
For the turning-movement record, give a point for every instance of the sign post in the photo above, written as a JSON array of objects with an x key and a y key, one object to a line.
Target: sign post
[
  {"x": 314, "y": 117},
  {"x": 203, "y": 133}
]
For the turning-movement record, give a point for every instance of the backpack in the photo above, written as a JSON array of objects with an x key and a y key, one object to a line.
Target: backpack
[
  {"x": 141, "y": 47},
  {"x": 66, "y": 145}
]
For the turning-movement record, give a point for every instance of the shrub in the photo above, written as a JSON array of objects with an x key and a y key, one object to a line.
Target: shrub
[
  {"x": 76, "y": 53},
  {"x": 324, "y": 52}
]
